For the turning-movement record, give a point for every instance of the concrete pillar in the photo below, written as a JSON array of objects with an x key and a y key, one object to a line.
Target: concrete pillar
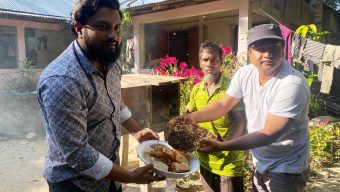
[
  {"x": 201, "y": 28},
  {"x": 243, "y": 27},
  {"x": 21, "y": 44},
  {"x": 139, "y": 46}
]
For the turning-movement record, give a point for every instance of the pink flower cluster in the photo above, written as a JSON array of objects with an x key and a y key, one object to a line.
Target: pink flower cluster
[
  {"x": 320, "y": 122},
  {"x": 169, "y": 66},
  {"x": 226, "y": 50}
]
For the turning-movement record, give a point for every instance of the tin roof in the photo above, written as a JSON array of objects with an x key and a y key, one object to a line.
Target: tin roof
[
  {"x": 137, "y": 3},
  {"x": 56, "y": 9}
]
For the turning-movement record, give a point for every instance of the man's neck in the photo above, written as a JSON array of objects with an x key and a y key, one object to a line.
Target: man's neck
[{"x": 211, "y": 86}]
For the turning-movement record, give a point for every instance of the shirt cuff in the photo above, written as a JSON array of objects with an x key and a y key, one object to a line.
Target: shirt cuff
[
  {"x": 125, "y": 113},
  {"x": 100, "y": 169}
]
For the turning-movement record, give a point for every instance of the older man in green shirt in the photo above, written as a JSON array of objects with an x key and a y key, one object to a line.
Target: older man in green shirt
[{"x": 220, "y": 171}]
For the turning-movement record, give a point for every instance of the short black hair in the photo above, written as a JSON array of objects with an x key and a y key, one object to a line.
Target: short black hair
[
  {"x": 83, "y": 10},
  {"x": 211, "y": 46}
]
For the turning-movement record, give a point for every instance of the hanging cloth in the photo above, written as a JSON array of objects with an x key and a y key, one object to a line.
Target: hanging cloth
[
  {"x": 287, "y": 36},
  {"x": 314, "y": 49},
  {"x": 312, "y": 54},
  {"x": 129, "y": 51},
  {"x": 298, "y": 44},
  {"x": 330, "y": 60}
]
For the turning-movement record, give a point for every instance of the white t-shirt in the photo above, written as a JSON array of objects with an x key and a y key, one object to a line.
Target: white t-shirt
[{"x": 285, "y": 95}]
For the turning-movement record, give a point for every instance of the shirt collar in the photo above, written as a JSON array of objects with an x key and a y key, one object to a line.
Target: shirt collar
[
  {"x": 218, "y": 85},
  {"x": 83, "y": 60}
]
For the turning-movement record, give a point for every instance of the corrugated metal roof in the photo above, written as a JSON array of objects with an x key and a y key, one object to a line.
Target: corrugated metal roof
[
  {"x": 136, "y": 3},
  {"x": 39, "y": 8},
  {"x": 56, "y": 9}
]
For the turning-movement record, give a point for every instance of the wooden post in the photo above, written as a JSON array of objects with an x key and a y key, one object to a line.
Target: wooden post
[{"x": 244, "y": 24}]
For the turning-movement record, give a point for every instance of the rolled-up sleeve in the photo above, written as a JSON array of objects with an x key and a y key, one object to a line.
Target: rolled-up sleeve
[{"x": 125, "y": 113}]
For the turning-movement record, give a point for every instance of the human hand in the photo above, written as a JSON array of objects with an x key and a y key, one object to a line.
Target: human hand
[
  {"x": 209, "y": 145},
  {"x": 146, "y": 134},
  {"x": 145, "y": 175},
  {"x": 188, "y": 118}
]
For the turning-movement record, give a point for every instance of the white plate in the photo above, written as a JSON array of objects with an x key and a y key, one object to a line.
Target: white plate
[{"x": 193, "y": 161}]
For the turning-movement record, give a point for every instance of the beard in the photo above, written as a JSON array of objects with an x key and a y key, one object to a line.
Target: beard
[
  {"x": 101, "y": 53},
  {"x": 211, "y": 78}
]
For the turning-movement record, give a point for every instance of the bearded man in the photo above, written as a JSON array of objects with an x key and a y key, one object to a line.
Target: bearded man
[
  {"x": 220, "y": 171},
  {"x": 79, "y": 94}
]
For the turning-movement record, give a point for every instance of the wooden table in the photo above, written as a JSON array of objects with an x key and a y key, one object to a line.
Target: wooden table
[{"x": 153, "y": 100}]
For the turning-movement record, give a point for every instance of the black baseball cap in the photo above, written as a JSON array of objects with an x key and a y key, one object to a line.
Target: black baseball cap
[{"x": 264, "y": 31}]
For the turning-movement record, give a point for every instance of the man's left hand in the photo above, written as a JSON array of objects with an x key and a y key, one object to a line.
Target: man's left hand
[{"x": 146, "y": 134}]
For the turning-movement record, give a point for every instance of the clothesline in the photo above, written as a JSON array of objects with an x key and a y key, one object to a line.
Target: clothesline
[{"x": 311, "y": 53}]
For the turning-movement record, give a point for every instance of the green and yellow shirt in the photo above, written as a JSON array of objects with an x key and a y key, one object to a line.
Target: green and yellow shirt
[{"x": 224, "y": 163}]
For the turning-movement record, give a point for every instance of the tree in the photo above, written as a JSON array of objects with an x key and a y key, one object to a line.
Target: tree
[{"x": 335, "y": 4}]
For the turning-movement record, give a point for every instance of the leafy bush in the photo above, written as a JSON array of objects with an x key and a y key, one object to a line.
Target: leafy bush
[
  {"x": 325, "y": 144},
  {"x": 26, "y": 80}
]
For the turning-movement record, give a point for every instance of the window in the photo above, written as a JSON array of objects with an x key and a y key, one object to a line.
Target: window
[
  {"x": 179, "y": 45},
  {"x": 8, "y": 47}
]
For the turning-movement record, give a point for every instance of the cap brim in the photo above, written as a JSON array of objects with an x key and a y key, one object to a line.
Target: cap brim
[{"x": 266, "y": 37}]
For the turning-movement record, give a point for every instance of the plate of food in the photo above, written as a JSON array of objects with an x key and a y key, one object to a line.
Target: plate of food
[{"x": 167, "y": 161}]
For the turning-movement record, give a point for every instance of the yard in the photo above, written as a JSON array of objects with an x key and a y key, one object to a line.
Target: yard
[{"x": 22, "y": 164}]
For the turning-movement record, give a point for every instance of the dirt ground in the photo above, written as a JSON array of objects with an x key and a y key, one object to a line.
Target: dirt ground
[{"x": 22, "y": 163}]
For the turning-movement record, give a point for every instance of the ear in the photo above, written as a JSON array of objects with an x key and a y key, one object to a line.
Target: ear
[{"x": 78, "y": 28}]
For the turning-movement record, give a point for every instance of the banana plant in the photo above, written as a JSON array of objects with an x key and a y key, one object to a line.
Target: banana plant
[{"x": 310, "y": 32}]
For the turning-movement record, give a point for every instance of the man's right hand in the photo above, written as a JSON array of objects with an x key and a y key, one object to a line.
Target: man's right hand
[
  {"x": 188, "y": 118},
  {"x": 145, "y": 175}
]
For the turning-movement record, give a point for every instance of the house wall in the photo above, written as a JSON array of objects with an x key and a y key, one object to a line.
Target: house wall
[
  {"x": 8, "y": 49},
  {"x": 56, "y": 42},
  {"x": 58, "y": 38},
  {"x": 293, "y": 14},
  {"x": 177, "y": 14},
  {"x": 220, "y": 30},
  {"x": 56, "y": 34}
]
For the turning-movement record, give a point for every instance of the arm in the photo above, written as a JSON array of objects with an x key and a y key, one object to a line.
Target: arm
[
  {"x": 273, "y": 129},
  {"x": 132, "y": 126},
  {"x": 140, "y": 134},
  {"x": 238, "y": 127},
  {"x": 141, "y": 175},
  {"x": 213, "y": 111}
]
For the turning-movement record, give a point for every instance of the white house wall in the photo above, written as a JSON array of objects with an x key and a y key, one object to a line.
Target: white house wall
[{"x": 185, "y": 12}]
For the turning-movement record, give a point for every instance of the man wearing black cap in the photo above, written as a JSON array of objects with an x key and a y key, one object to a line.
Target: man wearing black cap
[{"x": 276, "y": 97}]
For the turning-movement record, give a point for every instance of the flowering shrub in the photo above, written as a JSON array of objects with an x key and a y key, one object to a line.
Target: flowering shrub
[
  {"x": 170, "y": 66},
  {"x": 229, "y": 63}
]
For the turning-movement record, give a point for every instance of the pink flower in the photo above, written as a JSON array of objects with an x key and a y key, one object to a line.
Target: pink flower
[
  {"x": 186, "y": 73},
  {"x": 226, "y": 50},
  {"x": 182, "y": 65},
  {"x": 163, "y": 63},
  {"x": 172, "y": 60}
]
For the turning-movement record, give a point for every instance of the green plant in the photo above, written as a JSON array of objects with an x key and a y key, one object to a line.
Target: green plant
[
  {"x": 26, "y": 80},
  {"x": 325, "y": 144},
  {"x": 248, "y": 170},
  {"x": 317, "y": 106},
  {"x": 310, "y": 32},
  {"x": 126, "y": 34}
]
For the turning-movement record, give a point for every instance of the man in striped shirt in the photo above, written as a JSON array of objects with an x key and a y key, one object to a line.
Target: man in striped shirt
[{"x": 220, "y": 171}]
